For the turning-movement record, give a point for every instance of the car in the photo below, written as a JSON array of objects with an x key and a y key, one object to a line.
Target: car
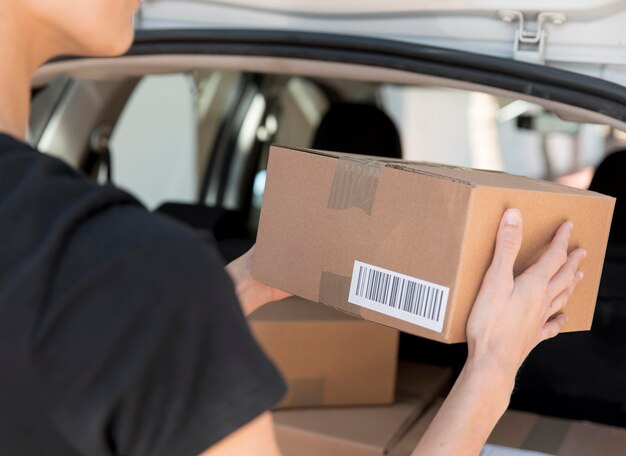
[{"x": 185, "y": 119}]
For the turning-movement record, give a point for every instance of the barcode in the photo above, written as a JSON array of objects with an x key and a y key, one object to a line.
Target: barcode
[{"x": 407, "y": 298}]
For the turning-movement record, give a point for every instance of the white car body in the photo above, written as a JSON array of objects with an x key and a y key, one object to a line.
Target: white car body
[{"x": 583, "y": 36}]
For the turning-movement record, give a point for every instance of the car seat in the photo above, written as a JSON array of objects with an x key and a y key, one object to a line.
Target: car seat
[{"x": 224, "y": 226}]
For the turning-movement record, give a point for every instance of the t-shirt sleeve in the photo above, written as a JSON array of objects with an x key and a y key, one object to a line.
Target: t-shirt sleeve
[{"x": 144, "y": 344}]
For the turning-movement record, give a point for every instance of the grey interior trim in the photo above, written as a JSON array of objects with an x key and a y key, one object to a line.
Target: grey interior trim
[
  {"x": 122, "y": 67},
  {"x": 84, "y": 106}
]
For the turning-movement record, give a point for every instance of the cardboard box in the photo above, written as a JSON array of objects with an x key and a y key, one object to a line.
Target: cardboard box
[
  {"x": 425, "y": 381},
  {"x": 532, "y": 433},
  {"x": 407, "y": 244},
  {"x": 411, "y": 438},
  {"x": 357, "y": 431},
  {"x": 558, "y": 436},
  {"x": 327, "y": 357},
  {"x": 514, "y": 427},
  {"x": 361, "y": 431}
]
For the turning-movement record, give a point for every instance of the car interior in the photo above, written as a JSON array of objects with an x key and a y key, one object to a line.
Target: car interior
[{"x": 202, "y": 150}]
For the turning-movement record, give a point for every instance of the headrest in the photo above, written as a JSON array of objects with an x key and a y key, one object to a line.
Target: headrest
[{"x": 359, "y": 129}]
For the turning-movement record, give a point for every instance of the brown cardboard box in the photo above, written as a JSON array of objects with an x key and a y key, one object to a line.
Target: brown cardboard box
[
  {"x": 428, "y": 383},
  {"x": 411, "y": 438},
  {"x": 362, "y": 430},
  {"x": 369, "y": 236},
  {"x": 515, "y": 426},
  {"x": 557, "y": 436},
  {"x": 357, "y": 431},
  {"x": 532, "y": 432},
  {"x": 327, "y": 357}
]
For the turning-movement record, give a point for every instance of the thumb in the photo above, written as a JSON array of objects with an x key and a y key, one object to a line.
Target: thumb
[{"x": 508, "y": 241}]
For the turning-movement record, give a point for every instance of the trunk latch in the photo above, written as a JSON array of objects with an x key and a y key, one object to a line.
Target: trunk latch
[{"x": 530, "y": 44}]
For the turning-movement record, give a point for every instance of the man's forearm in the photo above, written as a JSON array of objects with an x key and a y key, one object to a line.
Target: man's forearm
[
  {"x": 256, "y": 437},
  {"x": 479, "y": 398},
  {"x": 251, "y": 293},
  {"x": 251, "y": 297}
]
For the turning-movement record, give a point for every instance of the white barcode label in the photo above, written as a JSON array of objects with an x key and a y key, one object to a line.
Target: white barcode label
[{"x": 397, "y": 295}]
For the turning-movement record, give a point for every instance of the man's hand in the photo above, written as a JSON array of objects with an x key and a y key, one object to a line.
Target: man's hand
[
  {"x": 252, "y": 294},
  {"x": 510, "y": 316}
]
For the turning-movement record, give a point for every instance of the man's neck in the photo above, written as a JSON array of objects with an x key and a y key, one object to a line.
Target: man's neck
[{"x": 19, "y": 64}]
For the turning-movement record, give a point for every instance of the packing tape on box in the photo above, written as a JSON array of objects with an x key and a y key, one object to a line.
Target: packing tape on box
[
  {"x": 354, "y": 184},
  {"x": 334, "y": 289},
  {"x": 334, "y": 292},
  {"x": 462, "y": 168},
  {"x": 413, "y": 169}
]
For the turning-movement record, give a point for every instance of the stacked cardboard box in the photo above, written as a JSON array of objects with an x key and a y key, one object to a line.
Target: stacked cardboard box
[
  {"x": 362, "y": 431},
  {"x": 328, "y": 358},
  {"x": 412, "y": 437},
  {"x": 348, "y": 395},
  {"x": 357, "y": 431},
  {"x": 533, "y": 434},
  {"x": 395, "y": 430},
  {"x": 347, "y": 392},
  {"x": 558, "y": 436}
]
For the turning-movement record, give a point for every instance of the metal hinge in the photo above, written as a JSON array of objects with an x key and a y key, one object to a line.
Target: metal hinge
[{"x": 530, "y": 45}]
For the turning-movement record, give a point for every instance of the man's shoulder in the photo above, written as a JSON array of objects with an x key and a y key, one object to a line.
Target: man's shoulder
[
  {"x": 56, "y": 217},
  {"x": 9, "y": 143},
  {"x": 124, "y": 233}
]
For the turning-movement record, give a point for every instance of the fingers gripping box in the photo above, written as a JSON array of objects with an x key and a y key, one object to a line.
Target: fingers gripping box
[{"x": 406, "y": 244}]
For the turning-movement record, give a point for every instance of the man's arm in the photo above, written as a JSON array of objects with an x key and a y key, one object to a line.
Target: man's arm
[
  {"x": 252, "y": 294},
  {"x": 463, "y": 423},
  {"x": 509, "y": 318}
]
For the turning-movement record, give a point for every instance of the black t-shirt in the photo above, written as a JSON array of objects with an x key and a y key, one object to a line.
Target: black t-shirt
[{"x": 120, "y": 333}]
